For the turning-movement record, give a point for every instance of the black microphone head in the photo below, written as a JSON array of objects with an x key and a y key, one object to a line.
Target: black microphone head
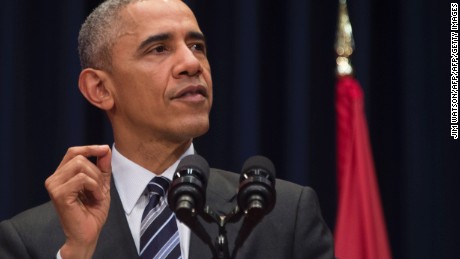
[
  {"x": 197, "y": 163},
  {"x": 256, "y": 193},
  {"x": 187, "y": 192},
  {"x": 259, "y": 162}
]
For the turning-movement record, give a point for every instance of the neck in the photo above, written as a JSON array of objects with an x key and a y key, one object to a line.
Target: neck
[{"x": 154, "y": 156}]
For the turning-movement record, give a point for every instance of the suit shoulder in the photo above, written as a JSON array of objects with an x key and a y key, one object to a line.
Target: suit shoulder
[
  {"x": 282, "y": 186},
  {"x": 36, "y": 230},
  {"x": 292, "y": 194},
  {"x": 287, "y": 191},
  {"x": 223, "y": 175},
  {"x": 40, "y": 214},
  {"x": 40, "y": 220}
]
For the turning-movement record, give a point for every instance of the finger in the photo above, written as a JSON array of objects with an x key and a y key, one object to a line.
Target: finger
[
  {"x": 75, "y": 161},
  {"x": 78, "y": 164},
  {"x": 104, "y": 163},
  {"x": 71, "y": 191},
  {"x": 92, "y": 191},
  {"x": 86, "y": 151}
]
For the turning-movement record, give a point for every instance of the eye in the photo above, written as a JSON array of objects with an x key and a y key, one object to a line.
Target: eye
[
  {"x": 158, "y": 49},
  {"x": 199, "y": 47}
]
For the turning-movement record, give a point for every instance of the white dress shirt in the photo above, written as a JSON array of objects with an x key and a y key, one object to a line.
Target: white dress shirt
[{"x": 131, "y": 181}]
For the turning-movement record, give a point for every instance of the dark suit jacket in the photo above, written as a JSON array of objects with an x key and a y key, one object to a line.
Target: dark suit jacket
[{"x": 293, "y": 229}]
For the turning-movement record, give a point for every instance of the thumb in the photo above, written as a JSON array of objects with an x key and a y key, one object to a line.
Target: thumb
[{"x": 104, "y": 163}]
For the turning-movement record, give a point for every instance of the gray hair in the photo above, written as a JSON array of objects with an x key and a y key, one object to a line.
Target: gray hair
[{"x": 98, "y": 33}]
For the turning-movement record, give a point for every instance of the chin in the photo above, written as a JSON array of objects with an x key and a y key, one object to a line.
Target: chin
[
  {"x": 192, "y": 127},
  {"x": 198, "y": 130}
]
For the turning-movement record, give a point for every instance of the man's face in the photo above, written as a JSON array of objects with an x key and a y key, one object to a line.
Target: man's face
[{"x": 160, "y": 74}]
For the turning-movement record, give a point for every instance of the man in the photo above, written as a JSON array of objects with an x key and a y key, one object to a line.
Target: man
[{"x": 145, "y": 64}]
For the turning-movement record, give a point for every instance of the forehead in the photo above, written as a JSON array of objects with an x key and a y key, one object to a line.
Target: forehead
[{"x": 157, "y": 16}]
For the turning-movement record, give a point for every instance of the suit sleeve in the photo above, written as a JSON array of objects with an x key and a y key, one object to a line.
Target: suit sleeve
[
  {"x": 312, "y": 239},
  {"x": 11, "y": 245}
]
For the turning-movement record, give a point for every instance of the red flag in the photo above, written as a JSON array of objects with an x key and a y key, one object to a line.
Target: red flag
[{"x": 360, "y": 231}]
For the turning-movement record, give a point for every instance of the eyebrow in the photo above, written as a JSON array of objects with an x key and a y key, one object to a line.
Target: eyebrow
[
  {"x": 153, "y": 39},
  {"x": 193, "y": 35}
]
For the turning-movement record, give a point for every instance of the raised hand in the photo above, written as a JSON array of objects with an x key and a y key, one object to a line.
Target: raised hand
[{"x": 80, "y": 192}]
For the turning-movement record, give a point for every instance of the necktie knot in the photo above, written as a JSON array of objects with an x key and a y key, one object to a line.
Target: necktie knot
[{"x": 158, "y": 186}]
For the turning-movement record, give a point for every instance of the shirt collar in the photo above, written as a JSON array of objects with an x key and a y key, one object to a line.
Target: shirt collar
[{"x": 131, "y": 179}]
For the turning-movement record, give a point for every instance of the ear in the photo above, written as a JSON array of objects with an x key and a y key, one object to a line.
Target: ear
[{"x": 93, "y": 86}]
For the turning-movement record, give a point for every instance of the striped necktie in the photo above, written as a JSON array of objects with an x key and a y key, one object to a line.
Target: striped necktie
[{"x": 159, "y": 234}]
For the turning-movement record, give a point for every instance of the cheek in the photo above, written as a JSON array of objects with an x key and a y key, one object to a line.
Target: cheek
[
  {"x": 148, "y": 87},
  {"x": 207, "y": 76},
  {"x": 139, "y": 97}
]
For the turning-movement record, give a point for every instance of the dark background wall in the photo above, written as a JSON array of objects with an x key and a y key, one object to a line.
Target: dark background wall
[{"x": 273, "y": 70}]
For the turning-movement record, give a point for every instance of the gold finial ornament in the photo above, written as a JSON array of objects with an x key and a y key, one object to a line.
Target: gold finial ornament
[{"x": 344, "y": 44}]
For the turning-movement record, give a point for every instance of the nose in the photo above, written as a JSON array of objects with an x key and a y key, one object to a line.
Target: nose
[{"x": 187, "y": 63}]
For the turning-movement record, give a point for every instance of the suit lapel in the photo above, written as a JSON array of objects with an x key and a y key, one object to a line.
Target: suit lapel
[{"x": 116, "y": 240}]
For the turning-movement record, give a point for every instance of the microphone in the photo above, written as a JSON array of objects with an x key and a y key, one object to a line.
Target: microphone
[
  {"x": 187, "y": 193},
  {"x": 256, "y": 193}
]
